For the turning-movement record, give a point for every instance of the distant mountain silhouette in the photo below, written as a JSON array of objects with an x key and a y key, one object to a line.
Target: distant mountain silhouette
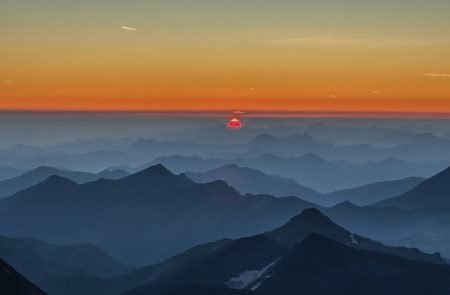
[
  {"x": 414, "y": 146},
  {"x": 10, "y": 186},
  {"x": 371, "y": 193},
  {"x": 153, "y": 147},
  {"x": 9, "y": 172},
  {"x": 310, "y": 169},
  {"x": 181, "y": 164},
  {"x": 13, "y": 283},
  {"x": 248, "y": 180},
  {"x": 134, "y": 208},
  {"x": 431, "y": 193},
  {"x": 301, "y": 140},
  {"x": 246, "y": 263}
]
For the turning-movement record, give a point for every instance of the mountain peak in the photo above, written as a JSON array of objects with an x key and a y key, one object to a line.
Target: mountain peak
[
  {"x": 309, "y": 216},
  {"x": 155, "y": 170},
  {"x": 44, "y": 169},
  {"x": 58, "y": 180},
  {"x": 157, "y": 174},
  {"x": 309, "y": 221},
  {"x": 264, "y": 138}
]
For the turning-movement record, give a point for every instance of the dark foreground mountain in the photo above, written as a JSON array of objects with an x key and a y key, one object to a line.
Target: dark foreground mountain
[
  {"x": 250, "y": 263},
  {"x": 321, "y": 266},
  {"x": 142, "y": 218},
  {"x": 217, "y": 267},
  {"x": 13, "y": 283},
  {"x": 41, "y": 262},
  {"x": 432, "y": 193},
  {"x": 199, "y": 290},
  {"x": 10, "y": 186}
]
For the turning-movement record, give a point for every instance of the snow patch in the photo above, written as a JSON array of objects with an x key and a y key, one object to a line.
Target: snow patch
[
  {"x": 256, "y": 286},
  {"x": 353, "y": 239},
  {"x": 248, "y": 277}
]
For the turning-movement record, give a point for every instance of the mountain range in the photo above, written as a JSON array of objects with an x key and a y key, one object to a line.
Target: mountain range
[
  {"x": 245, "y": 265},
  {"x": 431, "y": 193},
  {"x": 250, "y": 263},
  {"x": 61, "y": 211},
  {"x": 134, "y": 207},
  {"x": 12, "y": 185},
  {"x": 253, "y": 181}
]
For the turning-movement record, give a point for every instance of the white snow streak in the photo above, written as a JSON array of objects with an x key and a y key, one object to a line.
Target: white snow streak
[{"x": 248, "y": 277}]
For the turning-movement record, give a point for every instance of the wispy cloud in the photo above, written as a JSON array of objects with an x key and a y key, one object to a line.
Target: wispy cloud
[
  {"x": 128, "y": 28},
  {"x": 346, "y": 41},
  {"x": 436, "y": 75}
]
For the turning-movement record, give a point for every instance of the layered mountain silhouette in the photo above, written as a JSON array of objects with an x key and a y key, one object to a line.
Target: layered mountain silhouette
[
  {"x": 249, "y": 263},
  {"x": 309, "y": 169},
  {"x": 432, "y": 193},
  {"x": 10, "y": 186},
  {"x": 13, "y": 283},
  {"x": 142, "y": 218},
  {"x": 249, "y": 180},
  {"x": 9, "y": 172},
  {"x": 253, "y": 181},
  {"x": 372, "y": 193}
]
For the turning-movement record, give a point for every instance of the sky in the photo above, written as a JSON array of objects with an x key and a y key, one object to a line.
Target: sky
[{"x": 203, "y": 55}]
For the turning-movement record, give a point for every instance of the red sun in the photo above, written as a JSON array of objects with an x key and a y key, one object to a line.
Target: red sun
[{"x": 234, "y": 123}]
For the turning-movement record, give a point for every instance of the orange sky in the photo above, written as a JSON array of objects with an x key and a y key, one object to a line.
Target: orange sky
[{"x": 206, "y": 55}]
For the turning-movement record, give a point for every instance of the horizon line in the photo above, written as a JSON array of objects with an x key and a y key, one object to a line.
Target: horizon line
[{"x": 240, "y": 112}]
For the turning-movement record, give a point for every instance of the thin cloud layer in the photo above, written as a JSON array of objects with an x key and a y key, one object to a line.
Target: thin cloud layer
[
  {"x": 436, "y": 75},
  {"x": 128, "y": 28},
  {"x": 346, "y": 41}
]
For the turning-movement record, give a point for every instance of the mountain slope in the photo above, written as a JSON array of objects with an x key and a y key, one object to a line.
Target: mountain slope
[
  {"x": 371, "y": 193},
  {"x": 38, "y": 260},
  {"x": 133, "y": 208},
  {"x": 310, "y": 169},
  {"x": 242, "y": 263},
  {"x": 9, "y": 172},
  {"x": 248, "y": 180},
  {"x": 13, "y": 283},
  {"x": 322, "y": 266},
  {"x": 10, "y": 186},
  {"x": 431, "y": 193}
]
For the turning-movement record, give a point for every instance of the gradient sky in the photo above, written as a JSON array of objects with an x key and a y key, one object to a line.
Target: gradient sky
[{"x": 346, "y": 55}]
